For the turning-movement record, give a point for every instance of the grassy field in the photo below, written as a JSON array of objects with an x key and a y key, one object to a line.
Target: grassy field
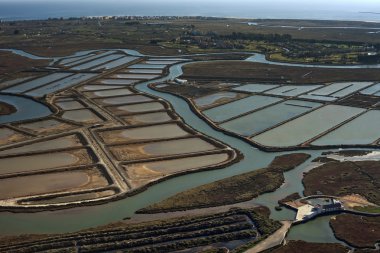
[
  {"x": 249, "y": 71},
  {"x": 358, "y": 231},
  {"x": 231, "y": 190}
]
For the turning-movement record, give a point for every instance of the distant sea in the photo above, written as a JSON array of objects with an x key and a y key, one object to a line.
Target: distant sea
[{"x": 43, "y": 9}]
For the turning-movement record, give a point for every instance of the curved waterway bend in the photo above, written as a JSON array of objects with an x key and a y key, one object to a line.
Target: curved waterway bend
[
  {"x": 27, "y": 108},
  {"x": 84, "y": 217}
]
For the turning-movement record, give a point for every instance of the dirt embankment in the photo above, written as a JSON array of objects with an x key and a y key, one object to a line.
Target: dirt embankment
[
  {"x": 231, "y": 190},
  {"x": 6, "y": 109},
  {"x": 358, "y": 231},
  {"x": 241, "y": 70}
]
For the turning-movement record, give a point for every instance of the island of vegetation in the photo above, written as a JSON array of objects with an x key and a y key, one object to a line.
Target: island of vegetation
[
  {"x": 6, "y": 109},
  {"x": 232, "y": 190},
  {"x": 310, "y": 247},
  {"x": 345, "y": 178},
  {"x": 358, "y": 231}
]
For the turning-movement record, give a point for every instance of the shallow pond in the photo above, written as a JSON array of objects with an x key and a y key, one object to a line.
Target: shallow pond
[
  {"x": 23, "y": 87},
  {"x": 61, "y": 84},
  {"x": 116, "y": 63},
  {"x": 69, "y": 105},
  {"x": 144, "y": 71},
  {"x": 371, "y": 90},
  {"x": 62, "y": 142},
  {"x": 178, "y": 165},
  {"x": 76, "y": 60},
  {"x": 88, "y": 58},
  {"x": 306, "y": 127},
  {"x": 124, "y": 100},
  {"x": 98, "y": 61},
  {"x": 167, "y": 62},
  {"x": 26, "y": 109},
  {"x": 110, "y": 93},
  {"x": 134, "y": 76},
  {"x": 82, "y": 116},
  {"x": 8, "y": 136},
  {"x": 256, "y": 87},
  {"x": 169, "y": 130},
  {"x": 355, "y": 86},
  {"x": 41, "y": 184},
  {"x": 213, "y": 98},
  {"x": 147, "y": 66},
  {"x": 118, "y": 81},
  {"x": 136, "y": 108},
  {"x": 361, "y": 130},
  {"x": 98, "y": 87},
  {"x": 235, "y": 108},
  {"x": 268, "y": 117},
  {"x": 44, "y": 125},
  {"x": 292, "y": 90},
  {"x": 161, "y": 148},
  {"x": 36, "y": 162},
  {"x": 155, "y": 117}
]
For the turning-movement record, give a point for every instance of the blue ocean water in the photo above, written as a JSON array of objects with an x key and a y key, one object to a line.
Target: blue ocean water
[{"x": 364, "y": 10}]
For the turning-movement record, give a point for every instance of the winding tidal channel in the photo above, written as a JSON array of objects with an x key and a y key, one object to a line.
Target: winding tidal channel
[{"x": 74, "y": 219}]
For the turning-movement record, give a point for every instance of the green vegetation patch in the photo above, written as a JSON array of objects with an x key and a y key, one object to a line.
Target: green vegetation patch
[
  {"x": 232, "y": 190},
  {"x": 310, "y": 247},
  {"x": 345, "y": 178},
  {"x": 368, "y": 209}
]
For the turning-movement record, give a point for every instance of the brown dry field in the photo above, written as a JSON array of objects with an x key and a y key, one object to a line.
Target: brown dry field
[
  {"x": 10, "y": 63},
  {"x": 48, "y": 126},
  {"x": 45, "y": 161},
  {"x": 309, "y": 247},
  {"x": 155, "y": 117},
  {"x": 6, "y": 109},
  {"x": 242, "y": 71},
  {"x": 8, "y": 136},
  {"x": 69, "y": 141},
  {"x": 162, "y": 148},
  {"x": 345, "y": 178},
  {"x": 143, "y": 133},
  {"x": 51, "y": 183},
  {"x": 358, "y": 231}
]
